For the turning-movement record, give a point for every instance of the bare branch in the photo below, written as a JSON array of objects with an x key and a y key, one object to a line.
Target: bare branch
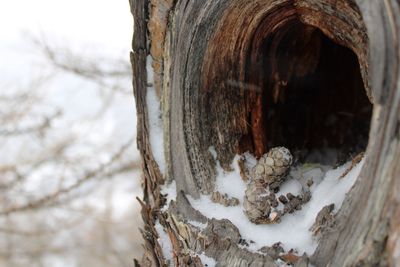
[
  {"x": 89, "y": 69},
  {"x": 36, "y": 128},
  {"x": 104, "y": 171}
]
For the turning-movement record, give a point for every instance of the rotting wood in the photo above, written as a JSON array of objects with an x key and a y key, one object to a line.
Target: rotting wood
[
  {"x": 151, "y": 178},
  {"x": 208, "y": 98},
  {"x": 157, "y": 27}
]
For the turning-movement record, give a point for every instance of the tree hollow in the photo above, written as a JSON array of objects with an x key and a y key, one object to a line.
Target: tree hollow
[
  {"x": 241, "y": 75},
  {"x": 309, "y": 94},
  {"x": 287, "y": 74}
]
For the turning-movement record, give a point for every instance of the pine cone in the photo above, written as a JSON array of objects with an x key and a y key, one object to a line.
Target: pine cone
[
  {"x": 256, "y": 205},
  {"x": 260, "y": 203},
  {"x": 273, "y": 167}
]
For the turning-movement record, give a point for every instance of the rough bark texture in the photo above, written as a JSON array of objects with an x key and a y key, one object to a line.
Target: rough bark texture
[{"x": 206, "y": 57}]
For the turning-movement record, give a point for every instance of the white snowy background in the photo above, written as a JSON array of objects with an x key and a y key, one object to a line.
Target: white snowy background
[{"x": 96, "y": 223}]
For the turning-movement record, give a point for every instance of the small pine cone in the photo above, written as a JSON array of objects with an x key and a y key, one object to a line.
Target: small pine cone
[
  {"x": 279, "y": 160},
  {"x": 256, "y": 205},
  {"x": 274, "y": 166}
]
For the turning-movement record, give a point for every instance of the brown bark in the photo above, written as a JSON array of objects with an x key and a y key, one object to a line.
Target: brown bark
[{"x": 218, "y": 73}]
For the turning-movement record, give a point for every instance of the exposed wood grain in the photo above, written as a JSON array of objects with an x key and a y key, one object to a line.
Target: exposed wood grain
[
  {"x": 152, "y": 178},
  {"x": 157, "y": 26},
  {"x": 207, "y": 54}
]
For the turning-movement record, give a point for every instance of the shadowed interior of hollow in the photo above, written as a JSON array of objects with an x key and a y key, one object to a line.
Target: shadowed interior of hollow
[
  {"x": 311, "y": 97},
  {"x": 287, "y": 73}
]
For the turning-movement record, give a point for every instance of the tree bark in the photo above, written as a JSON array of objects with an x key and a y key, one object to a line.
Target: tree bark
[{"x": 207, "y": 56}]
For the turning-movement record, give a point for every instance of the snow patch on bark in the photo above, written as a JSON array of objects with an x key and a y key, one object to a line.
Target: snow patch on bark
[
  {"x": 207, "y": 261},
  {"x": 155, "y": 120},
  {"x": 164, "y": 241},
  {"x": 170, "y": 191},
  {"x": 293, "y": 230},
  {"x": 199, "y": 225}
]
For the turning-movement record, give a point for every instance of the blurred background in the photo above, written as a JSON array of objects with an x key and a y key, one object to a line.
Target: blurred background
[{"x": 69, "y": 169}]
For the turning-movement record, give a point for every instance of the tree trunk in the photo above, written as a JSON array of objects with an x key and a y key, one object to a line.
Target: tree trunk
[{"x": 219, "y": 66}]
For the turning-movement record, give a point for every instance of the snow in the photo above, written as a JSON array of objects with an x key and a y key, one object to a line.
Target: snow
[
  {"x": 149, "y": 71},
  {"x": 199, "y": 225},
  {"x": 207, "y": 261},
  {"x": 230, "y": 182},
  {"x": 155, "y": 120},
  {"x": 170, "y": 191},
  {"x": 291, "y": 186},
  {"x": 293, "y": 230},
  {"x": 164, "y": 241}
]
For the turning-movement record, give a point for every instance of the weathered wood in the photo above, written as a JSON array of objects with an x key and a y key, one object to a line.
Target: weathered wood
[
  {"x": 362, "y": 231},
  {"x": 207, "y": 56},
  {"x": 219, "y": 239},
  {"x": 217, "y": 92},
  {"x": 152, "y": 178}
]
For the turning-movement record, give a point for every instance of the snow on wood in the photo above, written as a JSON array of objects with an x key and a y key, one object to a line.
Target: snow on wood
[
  {"x": 207, "y": 261},
  {"x": 293, "y": 230},
  {"x": 164, "y": 241},
  {"x": 155, "y": 120},
  {"x": 169, "y": 191}
]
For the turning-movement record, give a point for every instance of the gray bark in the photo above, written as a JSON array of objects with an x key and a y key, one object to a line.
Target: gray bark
[{"x": 198, "y": 47}]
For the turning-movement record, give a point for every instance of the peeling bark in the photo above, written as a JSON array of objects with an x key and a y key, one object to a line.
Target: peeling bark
[{"x": 207, "y": 56}]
